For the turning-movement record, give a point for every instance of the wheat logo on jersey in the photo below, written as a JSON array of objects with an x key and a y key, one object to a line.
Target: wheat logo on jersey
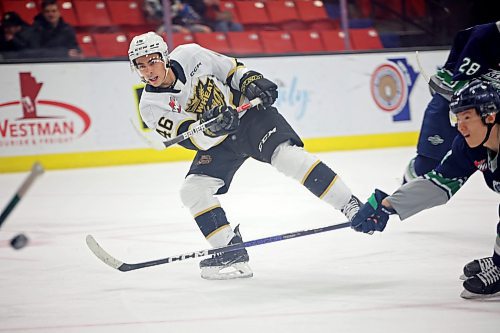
[
  {"x": 30, "y": 121},
  {"x": 174, "y": 105},
  {"x": 391, "y": 84},
  {"x": 206, "y": 95}
]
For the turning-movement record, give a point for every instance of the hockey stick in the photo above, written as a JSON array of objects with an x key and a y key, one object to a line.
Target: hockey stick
[
  {"x": 433, "y": 84},
  {"x": 36, "y": 170},
  {"x": 186, "y": 135},
  {"x": 424, "y": 73},
  {"x": 109, "y": 260}
]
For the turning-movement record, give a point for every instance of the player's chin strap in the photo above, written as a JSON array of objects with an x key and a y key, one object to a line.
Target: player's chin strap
[
  {"x": 167, "y": 69},
  {"x": 490, "y": 127},
  {"x": 487, "y": 136}
]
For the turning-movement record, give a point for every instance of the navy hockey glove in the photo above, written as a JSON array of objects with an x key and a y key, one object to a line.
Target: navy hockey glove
[
  {"x": 254, "y": 85},
  {"x": 227, "y": 120},
  {"x": 372, "y": 216}
]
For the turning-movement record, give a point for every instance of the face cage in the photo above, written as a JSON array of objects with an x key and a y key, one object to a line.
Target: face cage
[{"x": 134, "y": 68}]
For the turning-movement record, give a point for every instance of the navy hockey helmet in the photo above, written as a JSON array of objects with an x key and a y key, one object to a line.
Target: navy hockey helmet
[{"x": 479, "y": 95}]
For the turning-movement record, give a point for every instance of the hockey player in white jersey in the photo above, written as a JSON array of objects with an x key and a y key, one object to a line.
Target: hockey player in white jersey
[
  {"x": 192, "y": 85},
  {"x": 475, "y": 109}
]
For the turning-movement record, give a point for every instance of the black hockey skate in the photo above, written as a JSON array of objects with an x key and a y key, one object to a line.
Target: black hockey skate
[
  {"x": 351, "y": 208},
  {"x": 477, "y": 266},
  {"x": 483, "y": 285},
  {"x": 227, "y": 265}
]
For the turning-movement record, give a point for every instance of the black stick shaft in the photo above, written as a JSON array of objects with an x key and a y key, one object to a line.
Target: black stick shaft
[
  {"x": 9, "y": 208},
  {"x": 36, "y": 171},
  {"x": 124, "y": 267}
]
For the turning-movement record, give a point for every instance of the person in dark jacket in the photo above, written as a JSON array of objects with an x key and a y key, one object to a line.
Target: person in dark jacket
[
  {"x": 215, "y": 16},
  {"x": 57, "y": 38},
  {"x": 17, "y": 39}
]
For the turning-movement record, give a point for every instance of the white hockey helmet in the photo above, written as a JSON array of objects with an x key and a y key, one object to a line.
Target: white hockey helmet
[{"x": 145, "y": 44}]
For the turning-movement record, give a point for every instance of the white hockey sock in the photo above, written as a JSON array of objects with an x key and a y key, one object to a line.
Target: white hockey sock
[
  {"x": 197, "y": 194},
  {"x": 221, "y": 236},
  {"x": 338, "y": 195},
  {"x": 298, "y": 164}
]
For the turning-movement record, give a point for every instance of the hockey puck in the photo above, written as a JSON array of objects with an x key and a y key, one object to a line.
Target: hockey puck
[{"x": 19, "y": 241}]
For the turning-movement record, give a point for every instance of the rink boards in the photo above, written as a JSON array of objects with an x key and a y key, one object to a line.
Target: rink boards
[{"x": 69, "y": 115}]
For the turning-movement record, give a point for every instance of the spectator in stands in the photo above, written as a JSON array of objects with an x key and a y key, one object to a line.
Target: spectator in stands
[
  {"x": 57, "y": 38},
  {"x": 153, "y": 11},
  {"x": 217, "y": 18},
  {"x": 185, "y": 18},
  {"x": 17, "y": 38}
]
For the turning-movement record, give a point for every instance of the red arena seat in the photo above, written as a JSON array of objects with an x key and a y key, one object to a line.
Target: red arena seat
[
  {"x": 315, "y": 14},
  {"x": 68, "y": 13},
  {"x": 276, "y": 41},
  {"x": 111, "y": 45},
  {"x": 215, "y": 41},
  {"x": 245, "y": 42},
  {"x": 125, "y": 12},
  {"x": 365, "y": 39},
  {"x": 333, "y": 40},
  {"x": 310, "y": 11},
  {"x": 282, "y": 11},
  {"x": 180, "y": 39},
  {"x": 252, "y": 12},
  {"x": 92, "y": 13},
  {"x": 87, "y": 46},
  {"x": 307, "y": 41}
]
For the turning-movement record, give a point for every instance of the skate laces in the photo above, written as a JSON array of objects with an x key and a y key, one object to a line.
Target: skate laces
[
  {"x": 351, "y": 208},
  {"x": 229, "y": 257},
  {"x": 486, "y": 263},
  {"x": 490, "y": 276}
]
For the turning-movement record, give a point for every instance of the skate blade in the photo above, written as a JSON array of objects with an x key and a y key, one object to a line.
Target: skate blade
[
  {"x": 234, "y": 271},
  {"x": 469, "y": 295}
]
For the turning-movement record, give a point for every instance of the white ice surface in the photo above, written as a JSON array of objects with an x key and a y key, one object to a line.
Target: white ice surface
[{"x": 402, "y": 280}]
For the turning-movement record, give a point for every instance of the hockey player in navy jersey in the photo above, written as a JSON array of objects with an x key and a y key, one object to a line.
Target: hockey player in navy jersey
[
  {"x": 475, "y": 53},
  {"x": 192, "y": 85},
  {"x": 475, "y": 109}
]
